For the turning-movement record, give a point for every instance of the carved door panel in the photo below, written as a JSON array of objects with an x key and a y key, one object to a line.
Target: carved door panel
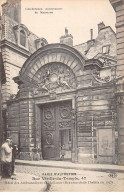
[
  {"x": 65, "y": 126},
  {"x": 56, "y": 117},
  {"x": 50, "y": 135}
]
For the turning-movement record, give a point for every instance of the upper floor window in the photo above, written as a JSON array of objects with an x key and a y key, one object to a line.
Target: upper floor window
[
  {"x": 22, "y": 38},
  {"x": 106, "y": 49}
]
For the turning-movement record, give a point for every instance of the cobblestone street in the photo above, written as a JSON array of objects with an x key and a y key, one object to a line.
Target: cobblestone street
[{"x": 75, "y": 180}]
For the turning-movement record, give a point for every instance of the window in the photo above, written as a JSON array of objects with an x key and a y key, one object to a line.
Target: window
[
  {"x": 22, "y": 38},
  {"x": 106, "y": 49}
]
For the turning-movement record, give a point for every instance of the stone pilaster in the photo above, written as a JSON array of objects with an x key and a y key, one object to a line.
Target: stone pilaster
[
  {"x": 26, "y": 129},
  {"x": 118, "y": 6},
  {"x": 120, "y": 126}
]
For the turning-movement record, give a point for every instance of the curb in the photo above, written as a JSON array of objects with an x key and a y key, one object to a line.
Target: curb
[{"x": 69, "y": 167}]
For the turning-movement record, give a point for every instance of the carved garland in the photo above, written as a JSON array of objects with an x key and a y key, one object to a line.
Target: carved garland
[{"x": 102, "y": 80}]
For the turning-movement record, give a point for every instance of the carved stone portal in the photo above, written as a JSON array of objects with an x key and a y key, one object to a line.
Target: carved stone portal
[{"x": 54, "y": 77}]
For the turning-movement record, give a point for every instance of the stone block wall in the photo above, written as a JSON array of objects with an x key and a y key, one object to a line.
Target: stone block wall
[
  {"x": 95, "y": 110},
  {"x": 120, "y": 72},
  {"x": 21, "y": 120},
  {"x": 118, "y": 6},
  {"x": 120, "y": 38},
  {"x": 13, "y": 62},
  {"x": 27, "y": 139},
  {"x": 13, "y": 124}
]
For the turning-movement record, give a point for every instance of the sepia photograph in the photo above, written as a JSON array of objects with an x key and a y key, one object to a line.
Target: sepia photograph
[{"x": 61, "y": 95}]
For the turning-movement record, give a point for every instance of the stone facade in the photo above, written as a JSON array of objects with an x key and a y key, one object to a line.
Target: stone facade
[
  {"x": 118, "y": 6},
  {"x": 92, "y": 99}
]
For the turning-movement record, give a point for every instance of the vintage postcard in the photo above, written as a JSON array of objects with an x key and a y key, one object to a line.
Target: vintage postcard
[{"x": 61, "y": 95}]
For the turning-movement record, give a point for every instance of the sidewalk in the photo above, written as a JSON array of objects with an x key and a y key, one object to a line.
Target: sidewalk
[
  {"x": 70, "y": 165},
  {"x": 22, "y": 182}
]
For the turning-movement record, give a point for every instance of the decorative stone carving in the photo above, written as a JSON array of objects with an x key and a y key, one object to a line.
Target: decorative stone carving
[
  {"x": 49, "y": 125},
  {"x": 107, "y": 62},
  {"x": 55, "y": 77},
  {"x": 103, "y": 80},
  {"x": 40, "y": 42},
  {"x": 48, "y": 119},
  {"x": 49, "y": 138},
  {"x": 109, "y": 79},
  {"x": 47, "y": 114},
  {"x": 65, "y": 124},
  {"x": 65, "y": 112}
]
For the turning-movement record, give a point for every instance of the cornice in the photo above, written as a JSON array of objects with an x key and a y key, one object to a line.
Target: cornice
[
  {"x": 6, "y": 43},
  {"x": 93, "y": 62}
]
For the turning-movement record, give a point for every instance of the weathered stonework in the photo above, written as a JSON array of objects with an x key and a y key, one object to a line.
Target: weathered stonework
[
  {"x": 93, "y": 103},
  {"x": 118, "y": 6}
]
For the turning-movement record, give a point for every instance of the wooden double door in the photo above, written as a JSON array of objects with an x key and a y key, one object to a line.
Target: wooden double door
[{"x": 56, "y": 128}]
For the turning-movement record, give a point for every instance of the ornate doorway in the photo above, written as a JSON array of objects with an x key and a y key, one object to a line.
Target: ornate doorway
[{"x": 56, "y": 129}]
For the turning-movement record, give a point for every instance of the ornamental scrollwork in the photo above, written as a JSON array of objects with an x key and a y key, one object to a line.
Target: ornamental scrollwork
[
  {"x": 65, "y": 112},
  {"x": 49, "y": 138},
  {"x": 48, "y": 114},
  {"x": 65, "y": 124},
  {"x": 55, "y": 77},
  {"x": 49, "y": 126},
  {"x": 102, "y": 80}
]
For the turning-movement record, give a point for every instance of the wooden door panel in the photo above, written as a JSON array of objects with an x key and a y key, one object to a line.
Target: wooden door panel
[
  {"x": 65, "y": 126},
  {"x": 50, "y": 145},
  {"x": 50, "y": 135},
  {"x": 55, "y": 117},
  {"x": 64, "y": 115}
]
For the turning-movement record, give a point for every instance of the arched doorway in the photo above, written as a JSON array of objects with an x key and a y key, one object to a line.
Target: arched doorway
[{"x": 48, "y": 81}]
